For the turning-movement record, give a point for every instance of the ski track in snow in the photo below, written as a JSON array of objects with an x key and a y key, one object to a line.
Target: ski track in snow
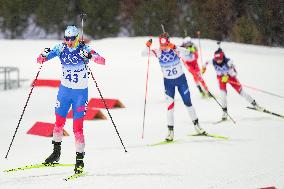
[{"x": 252, "y": 158}]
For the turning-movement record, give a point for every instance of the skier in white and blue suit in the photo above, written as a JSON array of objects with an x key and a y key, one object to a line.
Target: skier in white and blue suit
[
  {"x": 73, "y": 91},
  {"x": 174, "y": 76}
]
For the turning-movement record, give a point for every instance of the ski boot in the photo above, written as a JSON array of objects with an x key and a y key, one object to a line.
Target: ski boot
[
  {"x": 198, "y": 129},
  {"x": 225, "y": 114},
  {"x": 255, "y": 105},
  {"x": 55, "y": 156},
  {"x": 79, "y": 166},
  {"x": 170, "y": 136}
]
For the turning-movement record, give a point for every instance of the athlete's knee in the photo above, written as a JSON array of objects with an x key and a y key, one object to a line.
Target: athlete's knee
[
  {"x": 223, "y": 87},
  {"x": 238, "y": 89},
  {"x": 186, "y": 100},
  {"x": 78, "y": 125},
  {"x": 170, "y": 93},
  {"x": 187, "y": 103},
  {"x": 185, "y": 94},
  {"x": 59, "y": 124},
  {"x": 60, "y": 121}
]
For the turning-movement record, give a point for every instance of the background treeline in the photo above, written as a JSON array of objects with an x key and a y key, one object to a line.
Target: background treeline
[{"x": 246, "y": 21}]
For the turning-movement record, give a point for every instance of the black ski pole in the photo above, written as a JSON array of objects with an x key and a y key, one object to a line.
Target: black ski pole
[
  {"x": 107, "y": 108},
  {"x": 221, "y": 106},
  {"x": 210, "y": 94},
  {"x": 83, "y": 18},
  {"x": 21, "y": 117}
]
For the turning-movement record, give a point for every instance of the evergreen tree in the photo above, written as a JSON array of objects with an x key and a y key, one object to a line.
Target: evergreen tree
[
  {"x": 245, "y": 31},
  {"x": 14, "y": 17},
  {"x": 214, "y": 18},
  {"x": 102, "y": 17},
  {"x": 269, "y": 18},
  {"x": 54, "y": 15},
  {"x": 126, "y": 13},
  {"x": 248, "y": 21},
  {"x": 151, "y": 14},
  {"x": 187, "y": 26}
]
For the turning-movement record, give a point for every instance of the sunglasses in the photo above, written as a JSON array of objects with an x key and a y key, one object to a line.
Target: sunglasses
[{"x": 72, "y": 38}]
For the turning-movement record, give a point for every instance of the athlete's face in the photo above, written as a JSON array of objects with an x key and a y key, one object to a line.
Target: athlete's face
[
  {"x": 219, "y": 61},
  {"x": 164, "y": 47},
  {"x": 71, "y": 41},
  {"x": 218, "y": 57}
]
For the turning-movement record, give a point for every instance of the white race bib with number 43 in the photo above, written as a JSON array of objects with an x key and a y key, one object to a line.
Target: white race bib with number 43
[{"x": 75, "y": 77}]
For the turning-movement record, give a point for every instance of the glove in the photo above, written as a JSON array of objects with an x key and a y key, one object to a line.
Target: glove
[
  {"x": 41, "y": 59},
  {"x": 191, "y": 49},
  {"x": 203, "y": 69},
  {"x": 85, "y": 54},
  {"x": 82, "y": 43},
  {"x": 99, "y": 60},
  {"x": 172, "y": 46},
  {"x": 149, "y": 43},
  {"x": 225, "y": 78}
]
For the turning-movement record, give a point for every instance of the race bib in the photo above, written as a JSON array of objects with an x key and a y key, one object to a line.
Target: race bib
[
  {"x": 75, "y": 77},
  {"x": 172, "y": 71},
  {"x": 170, "y": 64}
]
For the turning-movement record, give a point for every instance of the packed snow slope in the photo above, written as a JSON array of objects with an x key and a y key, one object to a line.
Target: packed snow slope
[{"x": 253, "y": 157}]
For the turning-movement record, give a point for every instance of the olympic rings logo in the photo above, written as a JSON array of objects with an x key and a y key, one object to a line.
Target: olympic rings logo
[
  {"x": 70, "y": 59},
  {"x": 169, "y": 57}
]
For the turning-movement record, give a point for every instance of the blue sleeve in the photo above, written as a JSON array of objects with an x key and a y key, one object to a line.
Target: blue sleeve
[
  {"x": 88, "y": 48},
  {"x": 56, "y": 51}
]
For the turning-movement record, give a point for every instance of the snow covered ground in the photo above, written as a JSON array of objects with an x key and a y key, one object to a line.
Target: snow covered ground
[{"x": 252, "y": 158}]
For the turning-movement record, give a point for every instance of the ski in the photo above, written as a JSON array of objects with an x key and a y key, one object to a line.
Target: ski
[
  {"x": 39, "y": 165},
  {"x": 265, "y": 111},
  {"x": 210, "y": 135},
  {"x": 220, "y": 121},
  {"x": 75, "y": 175},
  {"x": 163, "y": 143}
]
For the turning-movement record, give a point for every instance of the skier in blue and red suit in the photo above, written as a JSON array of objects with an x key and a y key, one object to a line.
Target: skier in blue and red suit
[
  {"x": 73, "y": 91},
  {"x": 174, "y": 77}
]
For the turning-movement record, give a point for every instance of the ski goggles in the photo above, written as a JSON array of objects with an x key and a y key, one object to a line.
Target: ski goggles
[
  {"x": 72, "y": 38},
  {"x": 218, "y": 56}
]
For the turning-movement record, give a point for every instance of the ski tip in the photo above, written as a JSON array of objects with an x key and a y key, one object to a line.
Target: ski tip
[
  {"x": 210, "y": 135},
  {"x": 39, "y": 165},
  {"x": 74, "y": 176},
  {"x": 163, "y": 142},
  {"x": 249, "y": 107}
]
